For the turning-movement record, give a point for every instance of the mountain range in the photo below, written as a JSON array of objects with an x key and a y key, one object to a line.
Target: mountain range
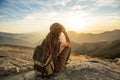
[
  {"x": 104, "y": 45},
  {"x": 32, "y": 39},
  {"x": 93, "y": 38},
  {"x": 105, "y": 49},
  {"x": 28, "y": 39}
]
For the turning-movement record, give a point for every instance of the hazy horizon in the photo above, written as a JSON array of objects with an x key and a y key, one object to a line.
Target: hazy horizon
[
  {"x": 67, "y": 31},
  {"x": 81, "y": 16}
]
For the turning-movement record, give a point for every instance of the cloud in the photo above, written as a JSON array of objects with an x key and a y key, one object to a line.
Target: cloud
[
  {"x": 113, "y": 3},
  {"x": 60, "y": 2},
  {"x": 23, "y": 8},
  {"x": 36, "y": 13},
  {"x": 46, "y": 11}
]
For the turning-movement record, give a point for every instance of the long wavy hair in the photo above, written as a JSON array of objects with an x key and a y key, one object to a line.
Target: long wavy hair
[{"x": 54, "y": 36}]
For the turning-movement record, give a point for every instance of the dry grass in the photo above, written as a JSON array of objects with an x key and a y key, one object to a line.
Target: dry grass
[{"x": 78, "y": 57}]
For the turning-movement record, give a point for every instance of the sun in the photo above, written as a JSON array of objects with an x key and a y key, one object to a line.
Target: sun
[{"x": 76, "y": 23}]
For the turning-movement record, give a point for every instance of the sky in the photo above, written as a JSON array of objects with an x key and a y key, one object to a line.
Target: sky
[{"x": 86, "y": 16}]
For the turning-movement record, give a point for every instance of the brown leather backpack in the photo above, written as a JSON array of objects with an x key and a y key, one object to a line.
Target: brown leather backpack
[{"x": 43, "y": 62}]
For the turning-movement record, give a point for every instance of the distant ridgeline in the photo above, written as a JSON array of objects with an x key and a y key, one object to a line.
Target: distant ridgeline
[
  {"x": 102, "y": 49},
  {"x": 29, "y": 39},
  {"x": 104, "y": 45},
  {"x": 93, "y": 38}
]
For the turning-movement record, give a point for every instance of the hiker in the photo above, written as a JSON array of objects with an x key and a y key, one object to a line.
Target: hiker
[
  {"x": 61, "y": 50},
  {"x": 52, "y": 55}
]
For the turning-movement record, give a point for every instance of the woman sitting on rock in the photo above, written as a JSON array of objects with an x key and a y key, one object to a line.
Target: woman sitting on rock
[
  {"x": 60, "y": 49},
  {"x": 52, "y": 55}
]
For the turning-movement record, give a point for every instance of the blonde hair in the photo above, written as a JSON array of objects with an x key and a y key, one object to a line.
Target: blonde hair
[{"x": 53, "y": 36}]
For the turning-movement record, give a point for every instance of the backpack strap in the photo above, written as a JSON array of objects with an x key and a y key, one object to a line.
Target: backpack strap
[{"x": 49, "y": 59}]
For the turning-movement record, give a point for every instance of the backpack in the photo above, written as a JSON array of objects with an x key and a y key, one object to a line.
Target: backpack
[{"x": 43, "y": 62}]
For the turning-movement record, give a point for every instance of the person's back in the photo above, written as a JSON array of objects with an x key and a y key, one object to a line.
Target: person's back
[
  {"x": 55, "y": 45},
  {"x": 53, "y": 37}
]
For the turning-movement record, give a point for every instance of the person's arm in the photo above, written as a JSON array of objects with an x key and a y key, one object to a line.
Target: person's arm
[{"x": 67, "y": 43}]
